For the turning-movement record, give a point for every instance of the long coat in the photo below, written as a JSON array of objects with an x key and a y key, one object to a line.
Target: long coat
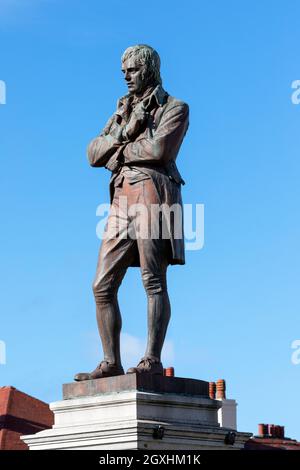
[{"x": 154, "y": 151}]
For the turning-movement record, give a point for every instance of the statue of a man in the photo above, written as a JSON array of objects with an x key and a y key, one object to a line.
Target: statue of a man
[{"x": 139, "y": 145}]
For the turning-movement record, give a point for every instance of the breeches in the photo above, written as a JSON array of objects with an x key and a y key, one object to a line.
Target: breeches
[{"x": 126, "y": 237}]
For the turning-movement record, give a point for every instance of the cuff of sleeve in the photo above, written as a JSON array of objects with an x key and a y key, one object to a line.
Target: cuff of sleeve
[{"x": 112, "y": 165}]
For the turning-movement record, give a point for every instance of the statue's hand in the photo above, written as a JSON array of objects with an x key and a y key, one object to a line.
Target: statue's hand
[
  {"x": 138, "y": 117},
  {"x": 113, "y": 164}
]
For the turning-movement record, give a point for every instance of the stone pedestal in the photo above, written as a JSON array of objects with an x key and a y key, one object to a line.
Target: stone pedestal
[{"x": 136, "y": 412}]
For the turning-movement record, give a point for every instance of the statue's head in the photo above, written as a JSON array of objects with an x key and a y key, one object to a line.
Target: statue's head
[{"x": 141, "y": 68}]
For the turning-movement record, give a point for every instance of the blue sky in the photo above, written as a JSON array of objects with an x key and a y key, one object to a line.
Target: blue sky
[{"x": 235, "y": 304}]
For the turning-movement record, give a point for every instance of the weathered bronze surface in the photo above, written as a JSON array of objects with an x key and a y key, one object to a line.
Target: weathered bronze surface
[{"x": 139, "y": 145}]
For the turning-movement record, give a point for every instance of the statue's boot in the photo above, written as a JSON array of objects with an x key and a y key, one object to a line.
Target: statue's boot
[
  {"x": 104, "y": 369},
  {"x": 148, "y": 365}
]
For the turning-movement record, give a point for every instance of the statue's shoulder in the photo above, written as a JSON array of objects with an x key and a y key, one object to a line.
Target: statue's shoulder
[{"x": 173, "y": 102}]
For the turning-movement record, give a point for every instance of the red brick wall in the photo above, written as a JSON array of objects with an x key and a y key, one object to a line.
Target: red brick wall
[{"x": 21, "y": 414}]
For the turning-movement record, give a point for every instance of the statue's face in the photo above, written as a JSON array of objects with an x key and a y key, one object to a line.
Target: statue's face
[{"x": 133, "y": 75}]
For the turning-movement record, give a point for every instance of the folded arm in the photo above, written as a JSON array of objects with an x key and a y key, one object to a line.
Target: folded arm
[
  {"x": 108, "y": 143},
  {"x": 166, "y": 139}
]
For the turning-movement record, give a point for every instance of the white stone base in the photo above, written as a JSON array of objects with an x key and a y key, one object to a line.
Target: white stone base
[{"x": 129, "y": 420}]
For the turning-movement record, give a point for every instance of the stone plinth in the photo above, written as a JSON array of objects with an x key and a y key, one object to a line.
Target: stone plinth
[
  {"x": 137, "y": 382},
  {"x": 136, "y": 412}
]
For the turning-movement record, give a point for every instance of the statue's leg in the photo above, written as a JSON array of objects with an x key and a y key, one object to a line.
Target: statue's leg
[
  {"x": 117, "y": 252},
  {"x": 109, "y": 320},
  {"x": 154, "y": 264},
  {"x": 115, "y": 255},
  {"x": 159, "y": 309},
  {"x": 154, "y": 253},
  {"x": 159, "y": 313}
]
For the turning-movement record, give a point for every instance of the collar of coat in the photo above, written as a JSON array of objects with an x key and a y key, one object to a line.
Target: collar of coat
[{"x": 159, "y": 95}]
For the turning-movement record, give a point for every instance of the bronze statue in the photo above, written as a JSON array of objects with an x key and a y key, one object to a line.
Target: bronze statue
[{"x": 139, "y": 145}]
